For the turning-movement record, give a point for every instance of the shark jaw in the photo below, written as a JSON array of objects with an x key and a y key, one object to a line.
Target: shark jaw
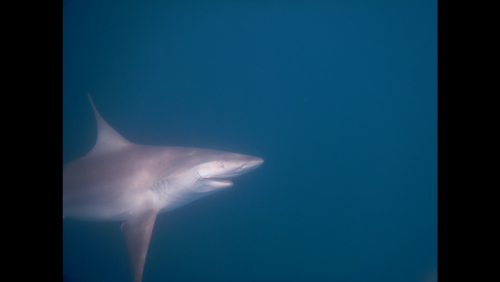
[
  {"x": 218, "y": 182},
  {"x": 118, "y": 180},
  {"x": 219, "y": 174}
]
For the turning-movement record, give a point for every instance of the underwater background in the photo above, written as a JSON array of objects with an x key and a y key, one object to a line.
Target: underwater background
[{"x": 338, "y": 97}]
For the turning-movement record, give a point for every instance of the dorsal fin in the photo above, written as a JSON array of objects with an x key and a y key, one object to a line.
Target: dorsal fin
[{"x": 108, "y": 140}]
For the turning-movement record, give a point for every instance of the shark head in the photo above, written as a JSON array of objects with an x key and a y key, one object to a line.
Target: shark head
[
  {"x": 199, "y": 173},
  {"x": 217, "y": 171}
]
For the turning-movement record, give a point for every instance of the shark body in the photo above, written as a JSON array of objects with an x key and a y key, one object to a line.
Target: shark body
[{"x": 118, "y": 180}]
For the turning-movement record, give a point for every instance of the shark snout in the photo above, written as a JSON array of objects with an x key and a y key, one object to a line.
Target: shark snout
[{"x": 251, "y": 164}]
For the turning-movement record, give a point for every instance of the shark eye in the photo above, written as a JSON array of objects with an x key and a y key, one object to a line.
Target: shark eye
[{"x": 221, "y": 164}]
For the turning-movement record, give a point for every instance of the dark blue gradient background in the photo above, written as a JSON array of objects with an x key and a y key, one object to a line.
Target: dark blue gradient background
[{"x": 338, "y": 97}]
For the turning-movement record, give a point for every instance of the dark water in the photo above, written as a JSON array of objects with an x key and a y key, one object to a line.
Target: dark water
[{"x": 338, "y": 97}]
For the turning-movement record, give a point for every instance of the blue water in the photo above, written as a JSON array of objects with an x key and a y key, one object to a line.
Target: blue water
[{"x": 338, "y": 97}]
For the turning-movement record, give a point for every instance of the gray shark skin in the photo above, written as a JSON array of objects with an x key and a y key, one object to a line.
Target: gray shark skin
[{"x": 118, "y": 180}]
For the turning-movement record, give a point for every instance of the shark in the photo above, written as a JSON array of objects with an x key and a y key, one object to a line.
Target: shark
[{"x": 122, "y": 181}]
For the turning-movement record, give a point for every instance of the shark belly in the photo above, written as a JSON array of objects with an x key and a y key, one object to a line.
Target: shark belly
[
  {"x": 105, "y": 207},
  {"x": 178, "y": 199}
]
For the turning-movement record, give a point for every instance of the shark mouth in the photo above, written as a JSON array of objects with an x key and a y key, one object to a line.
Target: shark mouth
[{"x": 225, "y": 181}]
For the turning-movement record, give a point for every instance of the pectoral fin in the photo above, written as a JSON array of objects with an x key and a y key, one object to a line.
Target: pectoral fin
[{"x": 137, "y": 230}]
